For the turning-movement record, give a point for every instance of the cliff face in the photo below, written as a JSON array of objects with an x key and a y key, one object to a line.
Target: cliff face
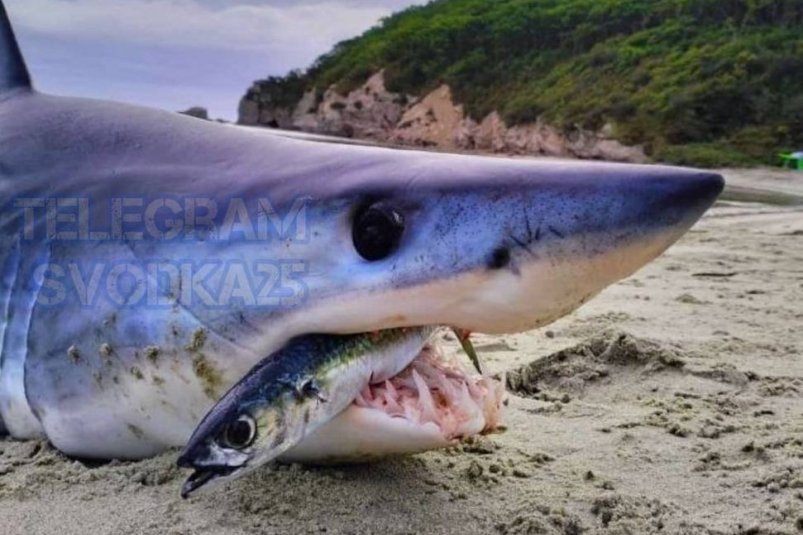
[{"x": 434, "y": 120}]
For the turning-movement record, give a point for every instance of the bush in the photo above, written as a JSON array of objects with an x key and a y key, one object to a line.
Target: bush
[
  {"x": 709, "y": 155},
  {"x": 668, "y": 73}
]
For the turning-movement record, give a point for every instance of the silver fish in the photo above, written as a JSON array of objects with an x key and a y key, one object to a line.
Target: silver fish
[{"x": 289, "y": 395}]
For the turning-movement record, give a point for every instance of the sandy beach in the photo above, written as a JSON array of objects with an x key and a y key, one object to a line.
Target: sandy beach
[{"x": 672, "y": 403}]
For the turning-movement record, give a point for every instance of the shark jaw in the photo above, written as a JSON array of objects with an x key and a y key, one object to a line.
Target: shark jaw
[{"x": 433, "y": 402}]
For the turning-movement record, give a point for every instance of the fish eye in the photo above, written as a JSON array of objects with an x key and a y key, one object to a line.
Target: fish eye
[
  {"x": 377, "y": 231},
  {"x": 240, "y": 433}
]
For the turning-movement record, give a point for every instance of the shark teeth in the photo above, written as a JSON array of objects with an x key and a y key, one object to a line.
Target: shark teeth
[{"x": 437, "y": 389}]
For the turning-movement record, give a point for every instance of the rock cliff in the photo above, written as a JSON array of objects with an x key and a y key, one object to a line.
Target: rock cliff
[{"x": 433, "y": 120}]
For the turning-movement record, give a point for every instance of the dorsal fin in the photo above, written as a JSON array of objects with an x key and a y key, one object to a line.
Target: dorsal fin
[{"x": 13, "y": 72}]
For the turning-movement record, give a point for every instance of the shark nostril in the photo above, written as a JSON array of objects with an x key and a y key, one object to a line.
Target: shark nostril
[{"x": 500, "y": 258}]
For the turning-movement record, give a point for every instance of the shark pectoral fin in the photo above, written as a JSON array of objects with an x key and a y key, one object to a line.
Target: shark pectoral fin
[{"x": 13, "y": 72}]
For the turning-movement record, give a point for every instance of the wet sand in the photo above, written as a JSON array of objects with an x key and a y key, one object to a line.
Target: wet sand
[{"x": 672, "y": 403}]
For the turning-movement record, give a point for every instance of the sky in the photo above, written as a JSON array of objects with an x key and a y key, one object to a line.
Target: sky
[{"x": 173, "y": 54}]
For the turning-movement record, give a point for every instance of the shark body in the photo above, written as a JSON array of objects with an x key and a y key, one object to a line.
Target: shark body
[{"x": 149, "y": 259}]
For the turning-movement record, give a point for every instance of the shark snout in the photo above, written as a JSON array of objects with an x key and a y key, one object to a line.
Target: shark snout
[
  {"x": 565, "y": 236},
  {"x": 497, "y": 246},
  {"x": 688, "y": 192}
]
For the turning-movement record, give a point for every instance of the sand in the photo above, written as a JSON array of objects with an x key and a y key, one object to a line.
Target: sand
[{"x": 672, "y": 403}]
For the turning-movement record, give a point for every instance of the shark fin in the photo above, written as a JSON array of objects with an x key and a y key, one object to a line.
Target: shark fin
[{"x": 13, "y": 72}]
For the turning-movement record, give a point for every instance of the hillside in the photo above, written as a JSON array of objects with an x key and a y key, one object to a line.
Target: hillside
[{"x": 703, "y": 82}]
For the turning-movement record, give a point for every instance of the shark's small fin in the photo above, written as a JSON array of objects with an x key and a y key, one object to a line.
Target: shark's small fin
[{"x": 13, "y": 72}]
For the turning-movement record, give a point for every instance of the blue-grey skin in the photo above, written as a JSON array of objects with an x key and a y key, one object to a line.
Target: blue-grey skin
[{"x": 491, "y": 245}]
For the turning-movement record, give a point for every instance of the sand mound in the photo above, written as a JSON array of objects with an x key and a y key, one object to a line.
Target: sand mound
[{"x": 597, "y": 358}]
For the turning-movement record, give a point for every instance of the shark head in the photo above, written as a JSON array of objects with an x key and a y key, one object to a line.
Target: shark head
[
  {"x": 178, "y": 252},
  {"x": 485, "y": 244}
]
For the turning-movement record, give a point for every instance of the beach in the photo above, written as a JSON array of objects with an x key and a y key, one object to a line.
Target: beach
[{"x": 671, "y": 403}]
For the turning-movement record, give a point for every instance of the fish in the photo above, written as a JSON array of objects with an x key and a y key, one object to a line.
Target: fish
[
  {"x": 289, "y": 395},
  {"x": 361, "y": 395},
  {"x": 149, "y": 260}
]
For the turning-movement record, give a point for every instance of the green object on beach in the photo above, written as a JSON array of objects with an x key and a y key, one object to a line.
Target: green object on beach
[
  {"x": 792, "y": 160},
  {"x": 465, "y": 342}
]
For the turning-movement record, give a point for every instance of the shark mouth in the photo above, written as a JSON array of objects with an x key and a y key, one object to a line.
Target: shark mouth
[
  {"x": 437, "y": 391},
  {"x": 433, "y": 403}
]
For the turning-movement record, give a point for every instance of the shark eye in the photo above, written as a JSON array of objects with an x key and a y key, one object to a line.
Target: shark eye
[
  {"x": 240, "y": 433},
  {"x": 377, "y": 231}
]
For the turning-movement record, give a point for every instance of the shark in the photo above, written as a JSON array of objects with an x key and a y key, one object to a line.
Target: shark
[{"x": 150, "y": 259}]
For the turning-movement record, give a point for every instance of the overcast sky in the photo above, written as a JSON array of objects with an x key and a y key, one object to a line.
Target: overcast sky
[{"x": 174, "y": 54}]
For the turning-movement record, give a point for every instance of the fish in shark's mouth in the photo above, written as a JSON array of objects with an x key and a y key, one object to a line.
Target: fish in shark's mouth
[{"x": 325, "y": 398}]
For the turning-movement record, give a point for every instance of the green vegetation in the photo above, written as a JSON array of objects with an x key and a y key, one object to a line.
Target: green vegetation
[{"x": 701, "y": 82}]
